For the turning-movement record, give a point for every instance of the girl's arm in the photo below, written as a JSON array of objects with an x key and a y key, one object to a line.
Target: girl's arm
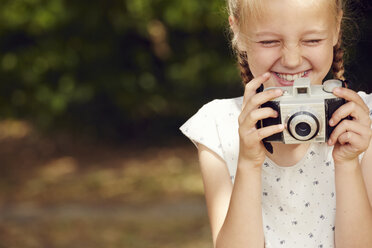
[
  {"x": 353, "y": 208},
  {"x": 217, "y": 188},
  {"x": 234, "y": 211},
  {"x": 353, "y": 180},
  {"x": 367, "y": 171}
]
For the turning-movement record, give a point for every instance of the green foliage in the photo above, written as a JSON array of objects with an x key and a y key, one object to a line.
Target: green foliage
[{"x": 113, "y": 67}]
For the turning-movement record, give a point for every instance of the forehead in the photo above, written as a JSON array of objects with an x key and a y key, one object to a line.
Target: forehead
[
  {"x": 287, "y": 13},
  {"x": 258, "y": 7}
]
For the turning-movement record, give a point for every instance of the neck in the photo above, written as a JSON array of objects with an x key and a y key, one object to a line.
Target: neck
[{"x": 288, "y": 154}]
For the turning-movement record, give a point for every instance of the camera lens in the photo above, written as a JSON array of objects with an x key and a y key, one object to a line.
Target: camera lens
[
  {"x": 303, "y": 129},
  {"x": 303, "y": 125}
]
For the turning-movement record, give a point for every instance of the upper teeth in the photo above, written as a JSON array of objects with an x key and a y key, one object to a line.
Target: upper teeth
[{"x": 291, "y": 77}]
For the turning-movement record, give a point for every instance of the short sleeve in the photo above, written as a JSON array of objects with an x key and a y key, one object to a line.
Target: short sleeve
[
  {"x": 367, "y": 98},
  {"x": 202, "y": 128}
]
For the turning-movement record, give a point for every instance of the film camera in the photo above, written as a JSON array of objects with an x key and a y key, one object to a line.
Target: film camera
[{"x": 305, "y": 109}]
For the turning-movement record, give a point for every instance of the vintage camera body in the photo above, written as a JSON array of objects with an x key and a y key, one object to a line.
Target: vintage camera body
[{"x": 305, "y": 109}]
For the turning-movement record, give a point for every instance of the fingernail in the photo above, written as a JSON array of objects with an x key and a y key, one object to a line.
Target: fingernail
[
  {"x": 281, "y": 127},
  {"x": 278, "y": 92},
  {"x": 267, "y": 74},
  {"x": 337, "y": 90},
  {"x": 331, "y": 122},
  {"x": 330, "y": 142}
]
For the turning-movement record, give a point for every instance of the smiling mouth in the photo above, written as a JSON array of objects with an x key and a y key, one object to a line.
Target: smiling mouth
[{"x": 291, "y": 77}]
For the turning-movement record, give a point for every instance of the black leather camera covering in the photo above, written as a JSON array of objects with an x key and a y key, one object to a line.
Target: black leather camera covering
[
  {"x": 331, "y": 105},
  {"x": 273, "y": 121}
]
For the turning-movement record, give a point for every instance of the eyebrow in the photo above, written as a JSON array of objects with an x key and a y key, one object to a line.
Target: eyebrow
[
  {"x": 265, "y": 33},
  {"x": 311, "y": 31},
  {"x": 316, "y": 31}
]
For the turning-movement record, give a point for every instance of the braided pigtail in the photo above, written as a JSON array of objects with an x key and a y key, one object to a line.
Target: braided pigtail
[
  {"x": 245, "y": 72},
  {"x": 338, "y": 60}
]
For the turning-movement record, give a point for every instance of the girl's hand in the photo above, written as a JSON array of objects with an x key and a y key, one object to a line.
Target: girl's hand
[
  {"x": 350, "y": 137},
  {"x": 251, "y": 147}
]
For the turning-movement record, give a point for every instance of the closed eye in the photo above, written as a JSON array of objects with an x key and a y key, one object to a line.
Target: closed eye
[
  {"x": 269, "y": 43},
  {"x": 312, "y": 42}
]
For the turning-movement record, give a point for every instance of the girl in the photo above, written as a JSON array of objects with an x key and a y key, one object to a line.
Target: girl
[{"x": 287, "y": 198}]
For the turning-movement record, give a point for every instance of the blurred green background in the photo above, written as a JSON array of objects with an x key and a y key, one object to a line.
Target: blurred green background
[{"x": 91, "y": 97}]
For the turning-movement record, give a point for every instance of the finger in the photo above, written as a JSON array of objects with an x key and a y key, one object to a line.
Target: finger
[
  {"x": 356, "y": 142},
  {"x": 350, "y": 109},
  {"x": 258, "y": 99},
  {"x": 269, "y": 130},
  {"x": 252, "y": 86},
  {"x": 250, "y": 119},
  {"x": 345, "y": 138},
  {"x": 350, "y": 95},
  {"x": 352, "y": 126}
]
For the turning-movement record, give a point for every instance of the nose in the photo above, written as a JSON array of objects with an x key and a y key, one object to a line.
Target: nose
[{"x": 291, "y": 56}]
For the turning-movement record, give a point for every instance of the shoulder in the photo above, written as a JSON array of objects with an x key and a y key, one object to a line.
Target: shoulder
[
  {"x": 211, "y": 123},
  {"x": 219, "y": 107},
  {"x": 215, "y": 110},
  {"x": 367, "y": 98}
]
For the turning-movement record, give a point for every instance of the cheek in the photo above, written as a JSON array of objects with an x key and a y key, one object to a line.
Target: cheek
[
  {"x": 321, "y": 61},
  {"x": 322, "y": 58},
  {"x": 262, "y": 60},
  {"x": 323, "y": 55}
]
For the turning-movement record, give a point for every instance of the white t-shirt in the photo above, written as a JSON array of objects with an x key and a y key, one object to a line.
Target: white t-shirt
[{"x": 298, "y": 202}]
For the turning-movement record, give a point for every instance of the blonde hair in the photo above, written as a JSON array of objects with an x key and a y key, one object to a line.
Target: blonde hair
[{"x": 242, "y": 10}]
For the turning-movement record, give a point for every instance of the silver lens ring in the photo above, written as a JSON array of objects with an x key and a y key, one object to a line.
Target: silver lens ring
[{"x": 303, "y": 125}]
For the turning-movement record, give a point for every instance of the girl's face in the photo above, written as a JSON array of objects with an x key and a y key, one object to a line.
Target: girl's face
[{"x": 292, "y": 39}]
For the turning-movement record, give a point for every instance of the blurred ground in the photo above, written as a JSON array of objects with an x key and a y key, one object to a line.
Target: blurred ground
[{"x": 60, "y": 192}]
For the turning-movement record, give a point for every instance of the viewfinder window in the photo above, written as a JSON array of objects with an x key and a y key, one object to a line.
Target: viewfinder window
[{"x": 302, "y": 90}]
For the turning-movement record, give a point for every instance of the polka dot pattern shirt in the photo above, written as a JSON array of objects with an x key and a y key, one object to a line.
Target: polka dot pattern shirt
[{"x": 298, "y": 202}]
